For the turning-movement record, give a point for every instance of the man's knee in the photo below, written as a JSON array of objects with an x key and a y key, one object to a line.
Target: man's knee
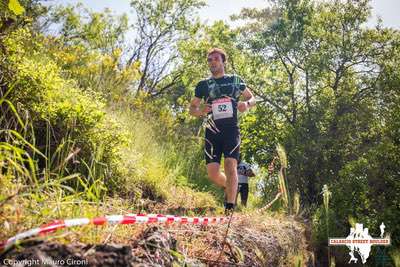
[
  {"x": 213, "y": 175},
  {"x": 213, "y": 170}
]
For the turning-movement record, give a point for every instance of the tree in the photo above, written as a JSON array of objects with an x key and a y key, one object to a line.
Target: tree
[
  {"x": 159, "y": 27},
  {"x": 322, "y": 68},
  {"x": 328, "y": 82},
  {"x": 90, "y": 48}
]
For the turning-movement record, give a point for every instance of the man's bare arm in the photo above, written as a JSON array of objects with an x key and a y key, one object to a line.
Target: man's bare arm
[
  {"x": 249, "y": 100},
  {"x": 196, "y": 110},
  {"x": 249, "y": 97}
]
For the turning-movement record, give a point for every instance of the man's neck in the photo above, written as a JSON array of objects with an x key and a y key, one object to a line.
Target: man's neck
[{"x": 218, "y": 75}]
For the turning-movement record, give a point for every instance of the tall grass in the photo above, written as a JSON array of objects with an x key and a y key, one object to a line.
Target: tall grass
[
  {"x": 150, "y": 165},
  {"x": 160, "y": 157},
  {"x": 298, "y": 261},
  {"x": 25, "y": 187},
  {"x": 61, "y": 162}
]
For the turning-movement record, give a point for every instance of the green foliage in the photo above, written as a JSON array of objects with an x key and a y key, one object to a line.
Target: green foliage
[
  {"x": 326, "y": 88},
  {"x": 90, "y": 48},
  {"x": 16, "y": 7},
  {"x": 261, "y": 131},
  {"x": 59, "y": 112},
  {"x": 323, "y": 96},
  {"x": 18, "y": 13},
  {"x": 159, "y": 27},
  {"x": 99, "y": 31},
  {"x": 60, "y": 83},
  {"x": 167, "y": 143}
]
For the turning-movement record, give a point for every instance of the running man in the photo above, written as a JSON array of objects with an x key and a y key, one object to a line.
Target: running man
[{"x": 220, "y": 94}]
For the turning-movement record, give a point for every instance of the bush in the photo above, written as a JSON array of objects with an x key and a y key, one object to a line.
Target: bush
[
  {"x": 367, "y": 192},
  {"x": 67, "y": 124}
]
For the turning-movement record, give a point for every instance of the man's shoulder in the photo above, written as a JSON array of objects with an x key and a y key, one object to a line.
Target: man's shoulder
[
  {"x": 236, "y": 80},
  {"x": 203, "y": 82},
  {"x": 229, "y": 77},
  {"x": 232, "y": 76},
  {"x": 201, "y": 88}
]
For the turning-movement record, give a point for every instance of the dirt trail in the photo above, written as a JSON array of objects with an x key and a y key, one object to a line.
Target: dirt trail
[{"x": 252, "y": 240}]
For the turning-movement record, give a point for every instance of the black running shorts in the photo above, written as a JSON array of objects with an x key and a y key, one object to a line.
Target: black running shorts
[{"x": 227, "y": 141}]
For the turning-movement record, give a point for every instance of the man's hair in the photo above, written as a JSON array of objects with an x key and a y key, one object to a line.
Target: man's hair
[{"x": 219, "y": 51}]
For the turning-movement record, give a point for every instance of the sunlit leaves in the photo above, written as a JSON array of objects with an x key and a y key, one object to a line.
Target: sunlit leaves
[
  {"x": 96, "y": 30},
  {"x": 16, "y": 7}
]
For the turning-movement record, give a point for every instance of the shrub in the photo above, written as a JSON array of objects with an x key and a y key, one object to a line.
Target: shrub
[{"x": 63, "y": 118}]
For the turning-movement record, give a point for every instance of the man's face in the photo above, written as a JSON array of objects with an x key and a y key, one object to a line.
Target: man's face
[{"x": 215, "y": 63}]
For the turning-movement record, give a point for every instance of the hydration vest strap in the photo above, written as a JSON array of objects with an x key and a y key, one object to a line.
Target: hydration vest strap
[{"x": 212, "y": 84}]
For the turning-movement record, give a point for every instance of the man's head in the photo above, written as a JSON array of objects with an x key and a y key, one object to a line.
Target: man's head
[{"x": 216, "y": 59}]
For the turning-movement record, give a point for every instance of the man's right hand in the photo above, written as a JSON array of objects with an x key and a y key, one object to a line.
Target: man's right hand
[
  {"x": 197, "y": 109},
  {"x": 206, "y": 109}
]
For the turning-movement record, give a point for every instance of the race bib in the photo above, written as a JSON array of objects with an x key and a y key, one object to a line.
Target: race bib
[{"x": 222, "y": 108}]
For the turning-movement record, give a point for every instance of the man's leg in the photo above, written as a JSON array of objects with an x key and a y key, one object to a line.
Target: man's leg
[
  {"x": 231, "y": 148},
  {"x": 215, "y": 175},
  {"x": 230, "y": 167},
  {"x": 213, "y": 148}
]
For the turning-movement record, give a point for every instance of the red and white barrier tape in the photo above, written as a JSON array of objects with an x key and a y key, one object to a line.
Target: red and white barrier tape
[{"x": 111, "y": 219}]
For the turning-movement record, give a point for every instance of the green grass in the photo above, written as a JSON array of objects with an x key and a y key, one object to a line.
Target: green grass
[{"x": 30, "y": 196}]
